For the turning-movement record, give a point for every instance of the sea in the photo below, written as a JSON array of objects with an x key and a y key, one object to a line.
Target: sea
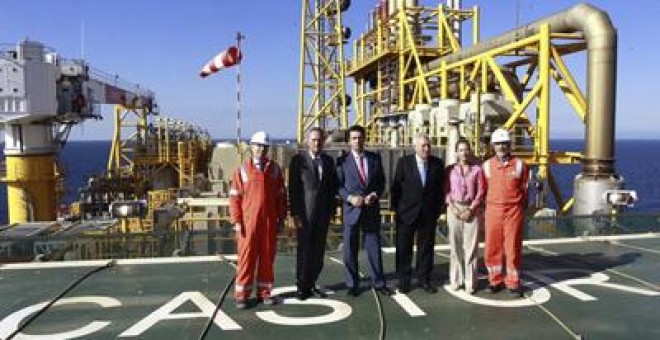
[{"x": 638, "y": 161}]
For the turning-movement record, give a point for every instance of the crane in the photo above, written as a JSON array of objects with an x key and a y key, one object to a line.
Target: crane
[{"x": 42, "y": 97}]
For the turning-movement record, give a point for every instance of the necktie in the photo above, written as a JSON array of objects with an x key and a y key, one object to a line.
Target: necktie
[
  {"x": 317, "y": 167},
  {"x": 362, "y": 173},
  {"x": 423, "y": 173}
]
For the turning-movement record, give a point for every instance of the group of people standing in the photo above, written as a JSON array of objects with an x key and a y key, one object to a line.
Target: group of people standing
[{"x": 421, "y": 189}]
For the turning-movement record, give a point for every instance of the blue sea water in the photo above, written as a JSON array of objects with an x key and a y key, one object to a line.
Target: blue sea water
[{"x": 638, "y": 161}]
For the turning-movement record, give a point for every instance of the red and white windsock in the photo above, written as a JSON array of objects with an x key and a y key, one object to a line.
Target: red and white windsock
[{"x": 227, "y": 58}]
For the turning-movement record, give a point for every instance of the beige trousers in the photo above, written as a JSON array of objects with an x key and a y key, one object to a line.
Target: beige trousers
[{"x": 464, "y": 243}]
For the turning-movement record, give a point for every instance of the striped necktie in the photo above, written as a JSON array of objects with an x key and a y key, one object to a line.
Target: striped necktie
[{"x": 361, "y": 172}]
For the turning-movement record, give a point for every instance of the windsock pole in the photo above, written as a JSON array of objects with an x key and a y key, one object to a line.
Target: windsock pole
[
  {"x": 228, "y": 58},
  {"x": 239, "y": 38}
]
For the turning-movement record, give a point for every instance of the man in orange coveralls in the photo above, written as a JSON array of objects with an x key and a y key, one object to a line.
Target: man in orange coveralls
[
  {"x": 506, "y": 178},
  {"x": 257, "y": 206}
]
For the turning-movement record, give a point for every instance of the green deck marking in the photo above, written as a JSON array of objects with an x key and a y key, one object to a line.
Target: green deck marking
[{"x": 141, "y": 289}]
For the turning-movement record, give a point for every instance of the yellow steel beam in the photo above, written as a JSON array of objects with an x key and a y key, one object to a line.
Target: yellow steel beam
[
  {"x": 440, "y": 33},
  {"x": 401, "y": 18},
  {"x": 504, "y": 85},
  {"x": 343, "y": 114},
  {"x": 569, "y": 86},
  {"x": 301, "y": 78},
  {"x": 476, "y": 25},
  {"x": 114, "y": 160},
  {"x": 519, "y": 112},
  {"x": 528, "y": 74},
  {"x": 567, "y": 206},
  {"x": 496, "y": 51},
  {"x": 542, "y": 139},
  {"x": 449, "y": 36},
  {"x": 444, "y": 91}
]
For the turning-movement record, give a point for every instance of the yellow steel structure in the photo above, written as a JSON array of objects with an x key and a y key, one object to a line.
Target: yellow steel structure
[
  {"x": 539, "y": 57},
  {"x": 152, "y": 146},
  {"x": 387, "y": 62},
  {"x": 124, "y": 148},
  {"x": 31, "y": 188},
  {"x": 322, "y": 96},
  {"x": 149, "y": 151},
  {"x": 390, "y": 68}
]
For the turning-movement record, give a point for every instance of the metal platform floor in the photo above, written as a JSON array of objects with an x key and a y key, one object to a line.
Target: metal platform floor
[{"x": 597, "y": 288}]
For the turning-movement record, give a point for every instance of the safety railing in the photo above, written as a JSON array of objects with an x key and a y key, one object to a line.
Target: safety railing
[{"x": 221, "y": 239}]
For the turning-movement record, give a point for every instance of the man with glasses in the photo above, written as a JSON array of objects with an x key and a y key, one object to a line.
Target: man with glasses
[
  {"x": 257, "y": 206},
  {"x": 506, "y": 179}
]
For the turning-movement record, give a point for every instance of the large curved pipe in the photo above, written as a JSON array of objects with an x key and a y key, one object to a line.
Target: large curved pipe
[{"x": 601, "y": 39}]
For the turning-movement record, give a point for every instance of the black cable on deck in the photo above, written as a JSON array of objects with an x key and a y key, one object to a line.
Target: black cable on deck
[
  {"x": 379, "y": 304},
  {"x": 70, "y": 287},
  {"x": 544, "y": 309},
  {"x": 591, "y": 265},
  {"x": 381, "y": 315},
  {"x": 218, "y": 304}
]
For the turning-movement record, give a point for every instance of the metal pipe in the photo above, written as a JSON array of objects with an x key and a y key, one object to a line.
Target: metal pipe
[{"x": 601, "y": 38}]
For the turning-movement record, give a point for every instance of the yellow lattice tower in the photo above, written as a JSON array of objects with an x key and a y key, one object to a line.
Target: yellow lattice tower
[{"x": 322, "y": 96}]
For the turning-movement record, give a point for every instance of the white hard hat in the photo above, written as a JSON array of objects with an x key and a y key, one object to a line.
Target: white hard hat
[
  {"x": 260, "y": 138},
  {"x": 500, "y": 136}
]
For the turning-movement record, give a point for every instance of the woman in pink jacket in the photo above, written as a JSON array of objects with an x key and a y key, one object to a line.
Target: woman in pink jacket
[{"x": 465, "y": 190}]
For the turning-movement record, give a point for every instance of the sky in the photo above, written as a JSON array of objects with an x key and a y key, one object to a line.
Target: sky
[{"x": 162, "y": 45}]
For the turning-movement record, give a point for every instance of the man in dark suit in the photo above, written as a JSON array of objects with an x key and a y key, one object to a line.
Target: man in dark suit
[
  {"x": 361, "y": 183},
  {"x": 312, "y": 193},
  {"x": 417, "y": 198}
]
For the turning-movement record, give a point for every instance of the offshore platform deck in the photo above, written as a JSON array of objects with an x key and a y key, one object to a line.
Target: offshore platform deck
[{"x": 597, "y": 287}]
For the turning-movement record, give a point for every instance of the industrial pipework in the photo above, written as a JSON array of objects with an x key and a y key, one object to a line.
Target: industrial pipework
[{"x": 601, "y": 39}]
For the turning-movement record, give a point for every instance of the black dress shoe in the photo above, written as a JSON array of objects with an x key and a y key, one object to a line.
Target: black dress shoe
[
  {"x": 429, "y": 288},
  {"x": 493, "y": 289},
  {"x": 516, "y": 292},
  {"x": 404, "y": 288},
  {"x": 354, "y": 291},
  {"x": 318, "y": 293},
  {"x": 384, "y": 291},
  {"x": 303, "y": 295}
]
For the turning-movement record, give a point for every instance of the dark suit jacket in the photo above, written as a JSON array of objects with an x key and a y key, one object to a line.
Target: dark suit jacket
[
  {"x": 349, "y": 184},
  {"x": 310, "y": 199},
  {"x": 407, "y": 196}
]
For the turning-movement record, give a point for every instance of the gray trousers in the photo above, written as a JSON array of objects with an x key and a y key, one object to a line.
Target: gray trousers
[{"x": 464, "y": 243}]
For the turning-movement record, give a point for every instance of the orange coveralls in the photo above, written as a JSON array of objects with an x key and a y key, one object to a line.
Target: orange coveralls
[
  {"x": 505, "y": 205},
  {"x": 258, "y": 202}
]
